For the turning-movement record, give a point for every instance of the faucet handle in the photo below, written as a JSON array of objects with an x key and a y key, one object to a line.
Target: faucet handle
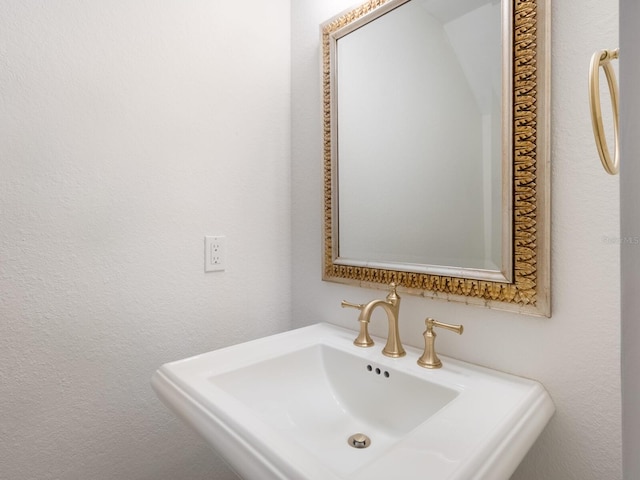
[
  {"x": 429, "y": 358},
  {"x": 363, "y": 339},
  {"x": 430, "y": 323},
  {"x": 346, "y": 304}
]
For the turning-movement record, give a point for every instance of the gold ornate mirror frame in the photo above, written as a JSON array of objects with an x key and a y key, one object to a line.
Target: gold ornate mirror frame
[{"x": 528, "y": 291}]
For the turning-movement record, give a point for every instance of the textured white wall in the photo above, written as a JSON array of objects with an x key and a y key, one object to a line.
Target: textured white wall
[
  {"x": 575, "y": 354},
  {"x": 128, "y": 131}
]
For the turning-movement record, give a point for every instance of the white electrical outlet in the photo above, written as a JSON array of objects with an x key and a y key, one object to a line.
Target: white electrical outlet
[{"x": 214, "y": 254}]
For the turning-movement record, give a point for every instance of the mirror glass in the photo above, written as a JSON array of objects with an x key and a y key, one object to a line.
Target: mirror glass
[
  {"x": 419, "y": 128},
  {"x": 435, "y": 150}
]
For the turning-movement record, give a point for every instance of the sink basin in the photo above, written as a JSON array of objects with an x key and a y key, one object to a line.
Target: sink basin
[{"x": 285, "y": 407}]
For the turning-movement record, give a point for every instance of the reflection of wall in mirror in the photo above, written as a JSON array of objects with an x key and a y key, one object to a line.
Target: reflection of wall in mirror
[
  {"x": 481, "y": 63},
  {"x": 396, "y": 199}
]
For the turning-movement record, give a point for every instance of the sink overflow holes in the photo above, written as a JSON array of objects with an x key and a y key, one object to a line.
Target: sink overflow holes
[
  {"x": 378, "y": 371},
  {"x": 359, "y": 440}
]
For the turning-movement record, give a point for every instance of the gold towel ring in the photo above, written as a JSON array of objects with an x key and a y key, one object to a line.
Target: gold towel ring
[{"x": 602, "y": 58}]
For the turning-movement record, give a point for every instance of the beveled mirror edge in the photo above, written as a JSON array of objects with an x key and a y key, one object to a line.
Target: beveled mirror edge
[
  {"x": 507, "y": 142},
  {"x": 530, "y": 291}
]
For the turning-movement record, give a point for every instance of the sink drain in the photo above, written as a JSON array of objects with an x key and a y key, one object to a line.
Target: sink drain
[{"x": 359, "y": 440}]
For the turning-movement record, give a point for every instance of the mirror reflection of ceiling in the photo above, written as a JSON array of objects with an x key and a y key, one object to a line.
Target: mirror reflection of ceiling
[
  {"x": 448, "y": 10},
  {"x": 479, "y": 60}
]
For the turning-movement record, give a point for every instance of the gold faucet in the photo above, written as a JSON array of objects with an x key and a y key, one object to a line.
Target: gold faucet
[
  {"x": 429, "y": 358},
  {"x": 391, "y": 306}
]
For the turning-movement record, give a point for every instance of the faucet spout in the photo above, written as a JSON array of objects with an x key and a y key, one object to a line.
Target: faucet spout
[{"x": 391, "y": 306}]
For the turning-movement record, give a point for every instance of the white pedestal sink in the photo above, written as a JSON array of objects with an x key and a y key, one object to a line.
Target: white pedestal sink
[{"x": 284, "y": 407}]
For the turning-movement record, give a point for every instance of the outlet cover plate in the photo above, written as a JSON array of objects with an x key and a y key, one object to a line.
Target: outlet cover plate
[{"x": 214, "y": 253}]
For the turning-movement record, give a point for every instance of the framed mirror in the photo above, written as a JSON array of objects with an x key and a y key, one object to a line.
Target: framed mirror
[{"x": 436, "y": 150}]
